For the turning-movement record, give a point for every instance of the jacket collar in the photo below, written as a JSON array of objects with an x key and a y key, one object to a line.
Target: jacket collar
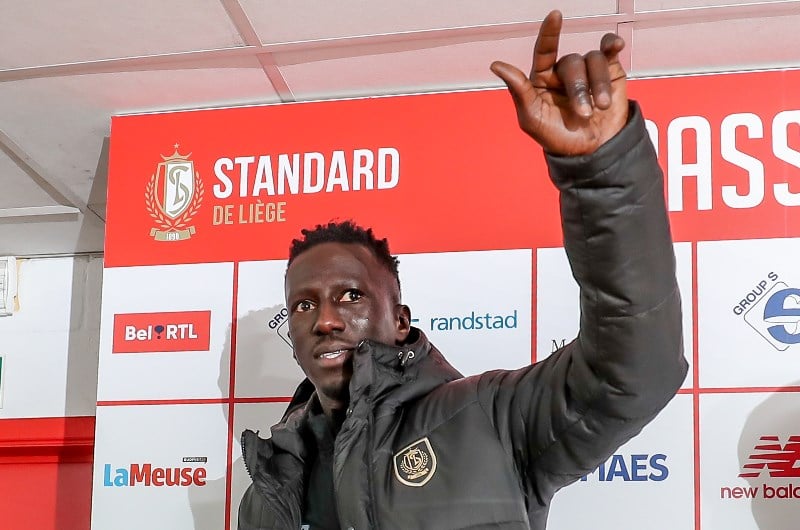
[{"x": 388, "y": 375}]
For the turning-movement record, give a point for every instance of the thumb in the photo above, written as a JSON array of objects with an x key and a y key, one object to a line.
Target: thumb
[{"x": 516, "y": 81}]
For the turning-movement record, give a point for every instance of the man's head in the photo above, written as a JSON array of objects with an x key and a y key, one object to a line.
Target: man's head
[{"x": 341, "y": 287}]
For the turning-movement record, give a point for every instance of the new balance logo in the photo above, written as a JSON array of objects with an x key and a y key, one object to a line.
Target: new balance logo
[{"x": 769, "y": 455}]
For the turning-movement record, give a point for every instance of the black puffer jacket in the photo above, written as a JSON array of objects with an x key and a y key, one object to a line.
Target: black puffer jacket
[{"x": 423, "y": 448}]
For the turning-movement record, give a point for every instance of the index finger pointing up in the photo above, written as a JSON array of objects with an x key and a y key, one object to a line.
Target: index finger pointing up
[{"x": 545, "y": 51}]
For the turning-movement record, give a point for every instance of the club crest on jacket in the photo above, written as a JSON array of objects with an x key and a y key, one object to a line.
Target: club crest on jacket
[{"x": 415, "y": 464}]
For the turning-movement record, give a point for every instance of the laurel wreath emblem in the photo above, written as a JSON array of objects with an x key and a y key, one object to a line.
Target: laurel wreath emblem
[{"x": 154, "y": 208}]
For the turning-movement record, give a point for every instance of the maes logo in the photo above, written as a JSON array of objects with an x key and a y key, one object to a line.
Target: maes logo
[
  {"x": 632, "y": 468},
  {"x": 769, "y": 460},
  {"x": 173, "y": 196},
  {"x": 772, "y": 311},
  {"x": 162, "y": 332},
  {"x": 150, "y": 475}
]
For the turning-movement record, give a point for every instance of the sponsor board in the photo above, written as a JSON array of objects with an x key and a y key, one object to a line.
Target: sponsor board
[
  {"x": 749, "y": 310},
  {"x": 162, "y": 466},
  {"x": 479, "y": 319},
  {"x": 162, "y": 332},
  {"x": 629, "y": 489},
  {"x": 265, "y": 364},
  {"x": 750, "y": 461}
]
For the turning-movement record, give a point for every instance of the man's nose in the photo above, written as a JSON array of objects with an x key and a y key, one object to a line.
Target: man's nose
[{"x": 329, "y": 319}]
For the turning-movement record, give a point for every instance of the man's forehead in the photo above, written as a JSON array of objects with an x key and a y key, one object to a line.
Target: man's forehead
[{"x": 333, "y": 258}]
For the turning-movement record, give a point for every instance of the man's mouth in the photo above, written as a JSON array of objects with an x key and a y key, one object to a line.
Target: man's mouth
[
  {"x": 334, "y": 354},
  {"x": 339, "y": 353}
]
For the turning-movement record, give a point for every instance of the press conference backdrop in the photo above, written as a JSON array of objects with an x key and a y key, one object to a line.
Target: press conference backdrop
[{"x": 202, "y": 206}]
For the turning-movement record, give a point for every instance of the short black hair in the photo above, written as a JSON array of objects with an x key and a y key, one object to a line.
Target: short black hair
[{"x": 346, "y": 232}]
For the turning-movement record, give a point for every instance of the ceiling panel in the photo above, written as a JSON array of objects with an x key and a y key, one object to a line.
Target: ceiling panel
[
  {"x": 61, "y": 122},
  {"x": 655, "y": 5},
  {"x": 716, "y": 46},
  {"x": 447, "y": 67},
  {"x": 19, "y": 190},
  {"x": 42, "y": 32},
  {"x": 291, "y": 20}
]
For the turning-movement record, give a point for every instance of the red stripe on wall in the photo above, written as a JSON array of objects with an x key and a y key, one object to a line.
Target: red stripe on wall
[{"x": 46, "y": 472}]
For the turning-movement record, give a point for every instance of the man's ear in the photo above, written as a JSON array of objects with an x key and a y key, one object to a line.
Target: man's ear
[{"x": 403, "y": 322}]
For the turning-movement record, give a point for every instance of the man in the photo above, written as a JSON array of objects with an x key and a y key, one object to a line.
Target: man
[{"x": 385, "y": 434}]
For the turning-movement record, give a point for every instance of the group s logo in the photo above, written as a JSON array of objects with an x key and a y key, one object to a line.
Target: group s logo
[
  {"x": 173, "y": 196},
  {"x": 774, "y": 312},
  {"x": 280, "y": 324}
]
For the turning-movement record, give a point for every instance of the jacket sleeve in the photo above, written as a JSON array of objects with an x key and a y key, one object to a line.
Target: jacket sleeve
[{"x": 562, "y": 417}]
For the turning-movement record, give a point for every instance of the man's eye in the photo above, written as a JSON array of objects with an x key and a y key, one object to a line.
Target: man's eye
[
  {"x": 303, "y": 306},
  {"x": 351, "y": 295}
]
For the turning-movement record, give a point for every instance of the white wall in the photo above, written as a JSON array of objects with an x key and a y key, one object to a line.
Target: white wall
[{"x": 49, "y": 346}]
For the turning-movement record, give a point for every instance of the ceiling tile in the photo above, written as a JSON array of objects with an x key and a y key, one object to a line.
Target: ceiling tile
[
  {"x": 61, "y": 122},
  {"x": 39, "y": 33},
  {"x": 657, "y": 5},
  {"x": 448, "y": 67},
  {"x": 716, "y": 46},
  {"x": 290, "y": 21}
]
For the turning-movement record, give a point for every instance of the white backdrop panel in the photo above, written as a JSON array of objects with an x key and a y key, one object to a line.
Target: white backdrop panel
[
  {"x": 264, "y": 362},
  {"x": 631, "y": 489},
  {"x": 738, "y": 281},
  {"x": 162, "y": 435},
  {"x": 170, "y": 375},
  {"x": 256, "y": 417},
  {"x": 474, "y": 306},
  {"x": 731, "y": 426}
]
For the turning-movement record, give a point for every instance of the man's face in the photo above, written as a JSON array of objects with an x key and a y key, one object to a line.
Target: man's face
[{"x": 337, "y": 295}]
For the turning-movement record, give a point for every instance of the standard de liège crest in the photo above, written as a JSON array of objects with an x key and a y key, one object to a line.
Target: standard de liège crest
[
  {"x": 415, "y": 464},
  {"x": 173, "y": 196}
]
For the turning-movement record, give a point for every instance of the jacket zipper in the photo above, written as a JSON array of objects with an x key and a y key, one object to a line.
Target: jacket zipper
[
  {"x": 244, "y": 459},
  {"x": 370, "y": 481}
]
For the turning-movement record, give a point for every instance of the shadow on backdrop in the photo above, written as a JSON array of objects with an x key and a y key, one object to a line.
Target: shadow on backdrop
[
  {"x": 777, "y": 416},
  {"x": 266, "y": 363}
]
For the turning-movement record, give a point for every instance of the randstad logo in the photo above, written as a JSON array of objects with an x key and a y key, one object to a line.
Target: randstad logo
[
  {"x": 474, "y": 321},
  {"x": 773, "y": 311},
  {"x": 149, "y": 475},
  {"x": 162, "y": 332},
  {"x": 632, "y": 468}
]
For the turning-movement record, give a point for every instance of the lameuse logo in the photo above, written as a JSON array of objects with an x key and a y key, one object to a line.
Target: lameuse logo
[
  {"x": 772, "y": 309},
  {"x": 148, "y": 475},
  {"x": 770, "y": 459},
  {"x": 162, "y": 332}
]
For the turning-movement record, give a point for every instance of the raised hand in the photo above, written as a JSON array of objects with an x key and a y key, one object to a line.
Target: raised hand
[{"x": 573, "y": 105}]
